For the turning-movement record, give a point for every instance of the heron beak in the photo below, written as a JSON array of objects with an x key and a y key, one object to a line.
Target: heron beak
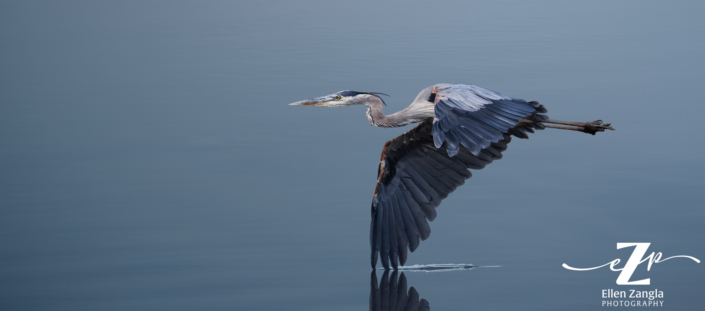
[{"x": 321, "y": 101}]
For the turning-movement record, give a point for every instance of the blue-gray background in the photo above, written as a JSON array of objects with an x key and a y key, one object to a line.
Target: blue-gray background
[{"x": 148, "y": 159}]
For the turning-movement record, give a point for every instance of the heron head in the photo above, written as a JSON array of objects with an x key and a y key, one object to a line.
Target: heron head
[{"x": 339, "y": 99}]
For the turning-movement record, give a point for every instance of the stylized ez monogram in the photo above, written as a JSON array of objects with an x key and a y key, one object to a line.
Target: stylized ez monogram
[{"x": 634, "y": 260}]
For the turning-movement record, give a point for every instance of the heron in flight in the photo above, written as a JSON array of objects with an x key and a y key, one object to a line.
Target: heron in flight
[{"x": 461, "y": 127}]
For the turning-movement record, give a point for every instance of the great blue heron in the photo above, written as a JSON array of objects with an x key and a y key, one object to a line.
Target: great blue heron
[{"x": 462, "y": 127}]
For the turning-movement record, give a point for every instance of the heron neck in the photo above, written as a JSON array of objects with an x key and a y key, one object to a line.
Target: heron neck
[{"x": 376, "y": 116}]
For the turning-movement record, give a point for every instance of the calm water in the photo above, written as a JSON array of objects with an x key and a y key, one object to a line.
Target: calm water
[{"x": 149, "y": 161}]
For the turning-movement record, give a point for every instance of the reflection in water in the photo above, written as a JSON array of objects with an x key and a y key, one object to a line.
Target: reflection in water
[{"x": 391, "y": 295}]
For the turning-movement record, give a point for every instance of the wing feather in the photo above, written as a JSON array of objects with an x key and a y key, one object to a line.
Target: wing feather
[
  {"x": 419, "y": 218},
  {"x": 420, "y": 199},
  {"x": 474, "y": 117},
  {"x": 471, "y": 128},
  {"x": 412, "y": 232},
  {"x": 434, "y": 183},
  {"x": 385, "y": 235},
  {"x": 393, "y": 240},
  {"x": 403, "y": 241}
]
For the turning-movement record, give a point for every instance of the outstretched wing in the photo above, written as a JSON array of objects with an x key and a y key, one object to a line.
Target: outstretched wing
[
  {"x": 475, "y": 117},
  {"x": 417, "y": 169},
  {"x": 414, "y": 176}
]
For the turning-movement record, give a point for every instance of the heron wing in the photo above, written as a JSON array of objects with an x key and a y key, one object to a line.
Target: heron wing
[
  {"x": 475, "y": 117},
  {"x": 413, "y": 177}
]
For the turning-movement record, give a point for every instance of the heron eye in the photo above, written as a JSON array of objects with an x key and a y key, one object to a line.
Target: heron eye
[{"x": 337, "y": 97}]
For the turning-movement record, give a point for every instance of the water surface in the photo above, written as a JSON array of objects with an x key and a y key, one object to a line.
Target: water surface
[{"x": 150, "y": 161}]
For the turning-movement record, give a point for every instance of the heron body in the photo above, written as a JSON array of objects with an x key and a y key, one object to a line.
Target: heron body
[{"x": 461, "y": 127}]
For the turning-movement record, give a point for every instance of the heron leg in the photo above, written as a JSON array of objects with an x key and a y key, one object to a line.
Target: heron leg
[{"x": 585, "y": 127}]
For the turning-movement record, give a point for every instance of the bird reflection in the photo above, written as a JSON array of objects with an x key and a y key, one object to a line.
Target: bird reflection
[{"x": 391, "y": 295}]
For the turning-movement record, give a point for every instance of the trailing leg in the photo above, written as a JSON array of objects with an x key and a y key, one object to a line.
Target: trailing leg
[{"x": 585, "y": 127}]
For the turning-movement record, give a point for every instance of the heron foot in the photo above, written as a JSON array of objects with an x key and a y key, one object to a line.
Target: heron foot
[{"x": 596, "y": 126}]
